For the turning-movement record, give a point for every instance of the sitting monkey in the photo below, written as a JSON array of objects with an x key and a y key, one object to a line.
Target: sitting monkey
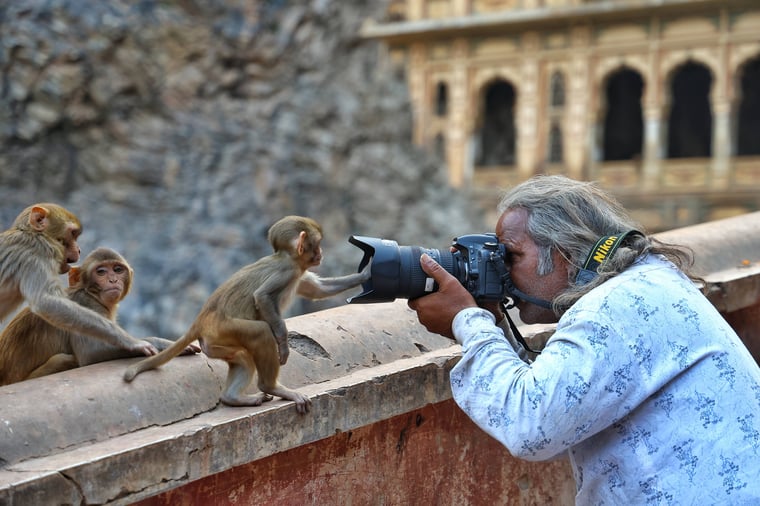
[
  {"x": 31, "y": 347},
  {"x": 241, "y": 323}
]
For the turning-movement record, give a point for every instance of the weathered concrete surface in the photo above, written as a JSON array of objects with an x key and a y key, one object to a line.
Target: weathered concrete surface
[
  {"x": 81, "y": 424},
  {"x": 721, "y": 245},
  {"x": 125, "y": 468},
  {"x": 342, "y": 340}
]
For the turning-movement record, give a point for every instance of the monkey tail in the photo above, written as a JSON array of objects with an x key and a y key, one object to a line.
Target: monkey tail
[{"x": 160, "y": 358}]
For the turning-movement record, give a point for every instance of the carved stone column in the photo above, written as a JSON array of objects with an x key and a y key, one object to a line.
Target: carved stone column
[
  {"x": 721, "y": 143},
  {"x": 652, "y": 145},
  {"x": 458, "y": 160}
]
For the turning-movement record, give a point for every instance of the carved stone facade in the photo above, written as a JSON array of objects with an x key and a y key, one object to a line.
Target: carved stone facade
[{"x": 658, "y": 101}]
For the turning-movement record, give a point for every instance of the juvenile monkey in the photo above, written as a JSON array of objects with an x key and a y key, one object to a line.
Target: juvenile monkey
[
  {"x": 38, "y": 247},
  {"x": 241, "y": 323},
  {"x": 30, "y": 347}
]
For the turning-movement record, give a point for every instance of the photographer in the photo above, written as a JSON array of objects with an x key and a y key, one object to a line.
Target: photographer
[{"x": 643, "y": 385}]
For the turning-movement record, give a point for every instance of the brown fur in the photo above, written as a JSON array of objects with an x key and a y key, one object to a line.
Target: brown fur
[
  {"x": 30, "y": 347},
  {"x": 241, "y": 323}
]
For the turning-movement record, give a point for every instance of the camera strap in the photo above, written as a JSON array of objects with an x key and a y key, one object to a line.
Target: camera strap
[
  {"x": 603, "y": 249},
  {"x": 515, "y": 332}
]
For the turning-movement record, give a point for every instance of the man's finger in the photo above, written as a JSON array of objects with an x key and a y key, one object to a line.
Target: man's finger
[{"x": 433, "y": 268}]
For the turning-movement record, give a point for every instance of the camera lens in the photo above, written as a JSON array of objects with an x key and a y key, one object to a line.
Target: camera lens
[
  {"x": 396, "y": 270},
  {"x": 411, "y": 271}
]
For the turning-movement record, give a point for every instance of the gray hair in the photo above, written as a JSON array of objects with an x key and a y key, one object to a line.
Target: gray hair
[{"x": 570, "y": 216}]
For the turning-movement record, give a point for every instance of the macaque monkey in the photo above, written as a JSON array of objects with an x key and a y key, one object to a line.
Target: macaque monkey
[
  {"x": 241, "y": 323},
  {"x": 30, "y": 347},
  {"x": 38, "y": 247}
]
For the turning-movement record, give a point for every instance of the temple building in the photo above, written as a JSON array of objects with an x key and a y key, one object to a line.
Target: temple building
[{"x": 657, "y": 100}]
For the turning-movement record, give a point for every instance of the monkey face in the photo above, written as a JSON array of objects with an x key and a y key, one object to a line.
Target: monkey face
[{"x": 110, "y": 280}]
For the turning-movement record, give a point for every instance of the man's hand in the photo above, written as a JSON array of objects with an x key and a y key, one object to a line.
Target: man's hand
[{"x": 437, "y": 310}]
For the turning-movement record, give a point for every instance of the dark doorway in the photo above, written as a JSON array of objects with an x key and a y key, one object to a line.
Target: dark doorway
[
  {"x": 748, "y": 128},
  {"x": 497, "y": 133},
  {"x": 623, "y": 122},
  {"x": 690, "y": 122},
  {"x": 441, "y": 99},
  {"x": 555, "y": 144}
]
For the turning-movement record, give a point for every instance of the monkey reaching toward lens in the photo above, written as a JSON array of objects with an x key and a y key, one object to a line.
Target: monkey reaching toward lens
[
  {"x": 39, "y": 246},
  {"x": 30, "y": 347},
  {"x": 241, "y": 321}
]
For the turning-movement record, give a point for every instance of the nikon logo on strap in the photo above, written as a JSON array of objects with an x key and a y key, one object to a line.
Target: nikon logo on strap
[{"x": 603, "y": 249}]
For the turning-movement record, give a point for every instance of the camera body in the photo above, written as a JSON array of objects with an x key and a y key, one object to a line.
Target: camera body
[
  {"x": 477, "y": 261},
  {"x": 483, "y": 258}
]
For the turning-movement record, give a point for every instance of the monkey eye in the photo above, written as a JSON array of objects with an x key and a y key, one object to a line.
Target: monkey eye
[
  {"x": 101, "y": 271},
  {"x": 118, "y": 268}
]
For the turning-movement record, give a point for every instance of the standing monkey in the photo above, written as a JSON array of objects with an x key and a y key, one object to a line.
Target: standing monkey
[
  {"x": 30, "y": 347},
  {"x": 241, "y": 323},
  {"x": 38, "y": 247}
]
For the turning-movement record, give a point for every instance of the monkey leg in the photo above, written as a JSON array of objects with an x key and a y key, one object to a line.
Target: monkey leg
[
  {"x": 265, "y": 356},
  {"x": 57, "y": 363},
  {"x": 239, "y": 376},
  {"x": 257, "y": 338}
]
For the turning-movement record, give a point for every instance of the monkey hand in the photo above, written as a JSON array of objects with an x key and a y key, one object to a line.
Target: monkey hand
[
  {"x": 144, "y": 347},
  {"x": 284, "y": 351},
  {"x": 191, "y": 349},
  {"x": 366, "y": 273},
  {"x": 161, "y": 344}
]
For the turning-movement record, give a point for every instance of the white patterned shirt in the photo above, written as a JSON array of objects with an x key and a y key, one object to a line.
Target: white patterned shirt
[{"x": 643, "y": 385}]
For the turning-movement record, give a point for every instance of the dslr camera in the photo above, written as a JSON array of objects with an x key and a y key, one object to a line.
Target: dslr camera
[{"x": 477, "y": 261}]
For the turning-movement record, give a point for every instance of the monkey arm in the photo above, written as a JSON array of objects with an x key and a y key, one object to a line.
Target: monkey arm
[
  {"x": 47, "y": 300},
  {"x": 313, "y": 286},
  {"x": 268, "y": 297}
]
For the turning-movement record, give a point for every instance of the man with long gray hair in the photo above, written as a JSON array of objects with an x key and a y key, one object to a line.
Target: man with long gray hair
[{"x": 643, "y": 385}]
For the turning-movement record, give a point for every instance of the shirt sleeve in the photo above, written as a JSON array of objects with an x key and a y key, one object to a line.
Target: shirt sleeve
[{"x": 539, "y": 410}]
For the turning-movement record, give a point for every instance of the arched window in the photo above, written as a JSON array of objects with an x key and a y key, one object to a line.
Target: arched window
[
  {"x": 497, "y": 131},
  {"x": 441, "y": 99},
  {"x": 555, "y": 144},
  {"x": 690, "y": 122},
  {"x": 557, "y": 90},
  {"x": 623, "y": 120},
  {"x": 748, "y": 121}
]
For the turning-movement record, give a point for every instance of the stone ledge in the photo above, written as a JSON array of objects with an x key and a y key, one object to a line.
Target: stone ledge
[
  {"x": 326, "y": 345},
  {"x": 727, "y": 257},
  {"x": 133, "y": 466},
  {"x": 86, "y": 435}
]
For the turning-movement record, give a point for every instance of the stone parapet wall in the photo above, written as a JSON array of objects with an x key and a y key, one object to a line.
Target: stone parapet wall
[{"x": 382, "y": 415}]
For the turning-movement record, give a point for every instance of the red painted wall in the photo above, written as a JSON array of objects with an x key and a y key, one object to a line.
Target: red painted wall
[
  {"x": 746, "y": 323},
  {"x": 432, "y": 456}
]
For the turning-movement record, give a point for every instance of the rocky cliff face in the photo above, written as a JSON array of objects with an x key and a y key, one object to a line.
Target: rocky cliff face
[{"x": 180, "y": 130}]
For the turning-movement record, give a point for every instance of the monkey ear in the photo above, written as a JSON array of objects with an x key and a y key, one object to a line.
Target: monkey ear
[
  {"x": 38, "y": 218},
  {"x": 301, "y": 243},
  {"x": 75, "y": 275}
]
